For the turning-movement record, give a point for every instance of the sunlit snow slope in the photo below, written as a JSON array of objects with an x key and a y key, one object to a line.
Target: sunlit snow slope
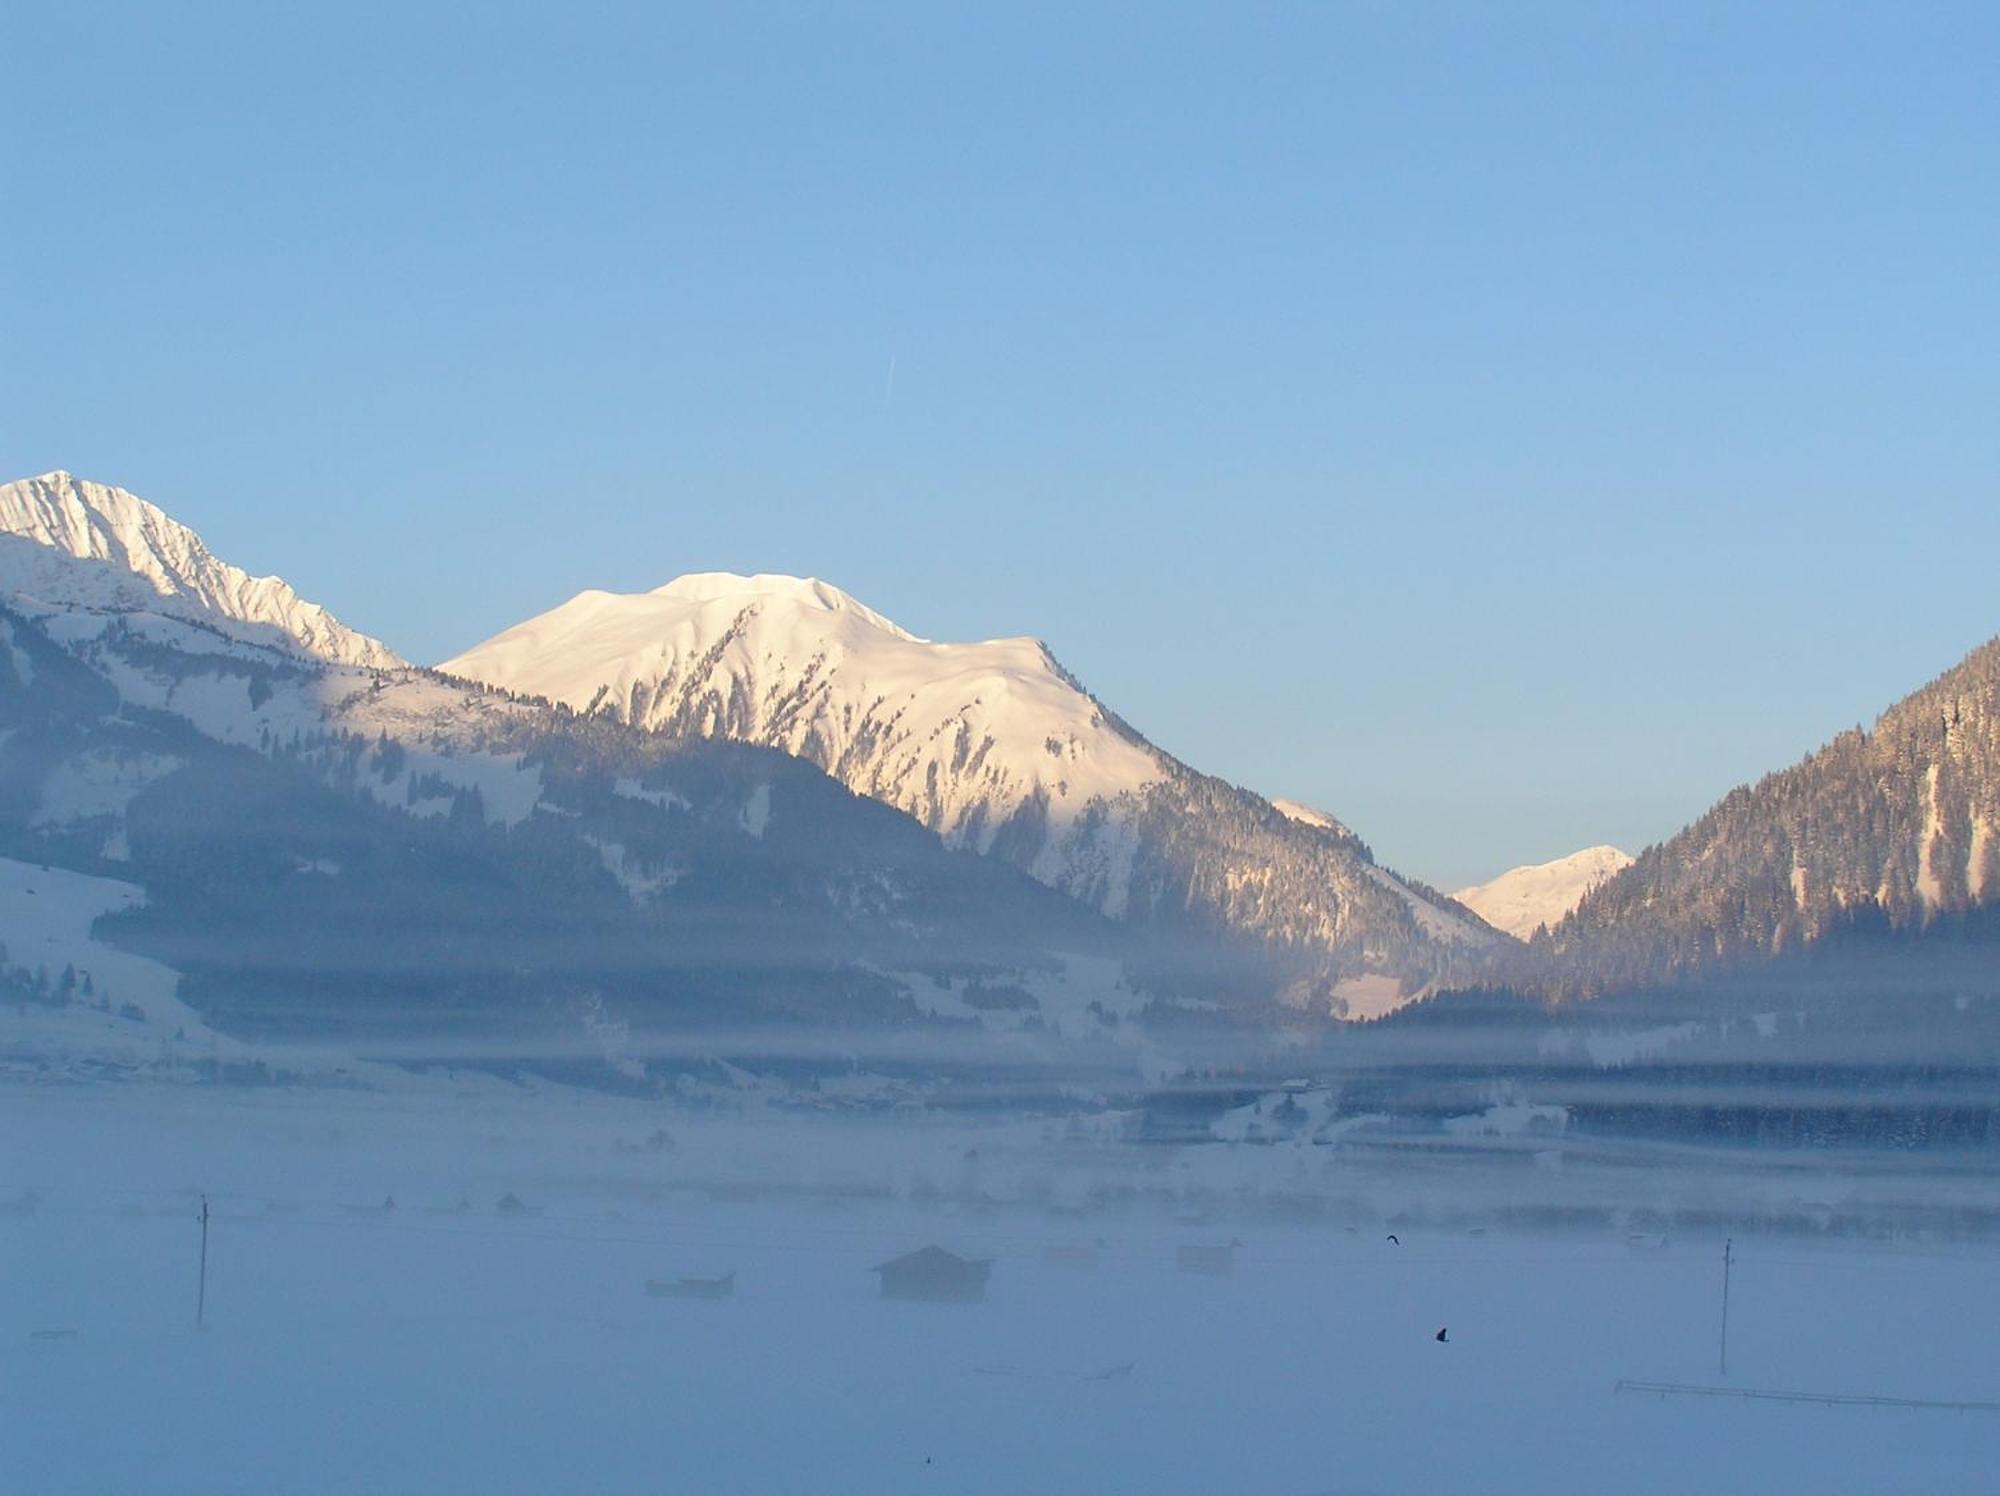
[
  {"x": 994, "y": 746},
  {"x": 152, "y": 563},
  {"x": 1307, "y": 815},
  {"x": 1523, "y": 899}
]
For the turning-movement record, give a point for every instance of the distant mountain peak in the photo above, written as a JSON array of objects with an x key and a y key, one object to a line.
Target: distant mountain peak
[
  {"x": 84, "y": 544},
  {"x": 1523, "y": 899},
  {"x": 776, "y": 587}
]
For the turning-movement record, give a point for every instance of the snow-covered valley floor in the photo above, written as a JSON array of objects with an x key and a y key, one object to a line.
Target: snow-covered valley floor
[{"x": 429, "y": 1348}]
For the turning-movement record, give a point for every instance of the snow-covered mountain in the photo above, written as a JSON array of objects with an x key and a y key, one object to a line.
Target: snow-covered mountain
[
  {"x": 1524, "y": 899},
  {"x": 137, "y": 559},
  {"x": 1897, "y": 825},
  {"x": 267, "y": 839},
  {"x": 962, "y": 736},
  {"x": 998, "y": 749},
  {"x": 992, "y": 745},
  {"x": 284, "y": 848}
]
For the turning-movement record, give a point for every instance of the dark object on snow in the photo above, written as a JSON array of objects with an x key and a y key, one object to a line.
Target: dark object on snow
[
  {"x": 1216, "y": 1262},
  {"x": 1443, "y": 1335},
  {"x": 935, "y": 1275},
  {"x": 511, "y": 1204},
  {"x": 693, "y": 1288},
  {"x": 1394, "y": 1238}
]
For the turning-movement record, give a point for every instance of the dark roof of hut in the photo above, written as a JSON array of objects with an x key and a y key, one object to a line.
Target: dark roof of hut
[{"x": 933, "y": 1257}]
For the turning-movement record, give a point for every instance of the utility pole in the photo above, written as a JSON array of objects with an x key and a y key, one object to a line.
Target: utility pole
[
  {"x": 201, "y": 1288},
  {"x": 1727, "y": 1245}
]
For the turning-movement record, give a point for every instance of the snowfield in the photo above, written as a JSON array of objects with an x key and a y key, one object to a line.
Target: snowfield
[
  {"x": 46, "y": 915},
  {"x": 449, "y": 1345}
]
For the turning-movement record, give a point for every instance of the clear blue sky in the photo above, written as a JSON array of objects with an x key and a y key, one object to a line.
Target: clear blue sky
[{"x": 1507, "y": 426}]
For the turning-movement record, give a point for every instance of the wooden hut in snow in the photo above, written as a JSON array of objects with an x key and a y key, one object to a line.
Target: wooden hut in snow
[{"x": 936, "y": 1275}]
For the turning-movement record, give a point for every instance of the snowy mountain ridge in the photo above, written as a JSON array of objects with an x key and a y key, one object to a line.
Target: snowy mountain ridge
[
  {"x": 67, "y": 543},
  {"x": 998, "y": 749},
  {"x": 1524, "y": 899}
]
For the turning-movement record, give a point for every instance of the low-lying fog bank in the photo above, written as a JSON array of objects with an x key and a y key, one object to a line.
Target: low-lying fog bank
[
  {"x": 449, "y": 1292},
  {"x": 457, "y": 1144}
]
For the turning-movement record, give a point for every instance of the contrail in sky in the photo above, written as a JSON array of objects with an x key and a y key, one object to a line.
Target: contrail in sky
[{"x": 889, "y": 388}]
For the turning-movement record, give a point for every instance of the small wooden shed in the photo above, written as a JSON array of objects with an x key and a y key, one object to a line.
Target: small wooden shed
[{"x": 936, "y": 1275}]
